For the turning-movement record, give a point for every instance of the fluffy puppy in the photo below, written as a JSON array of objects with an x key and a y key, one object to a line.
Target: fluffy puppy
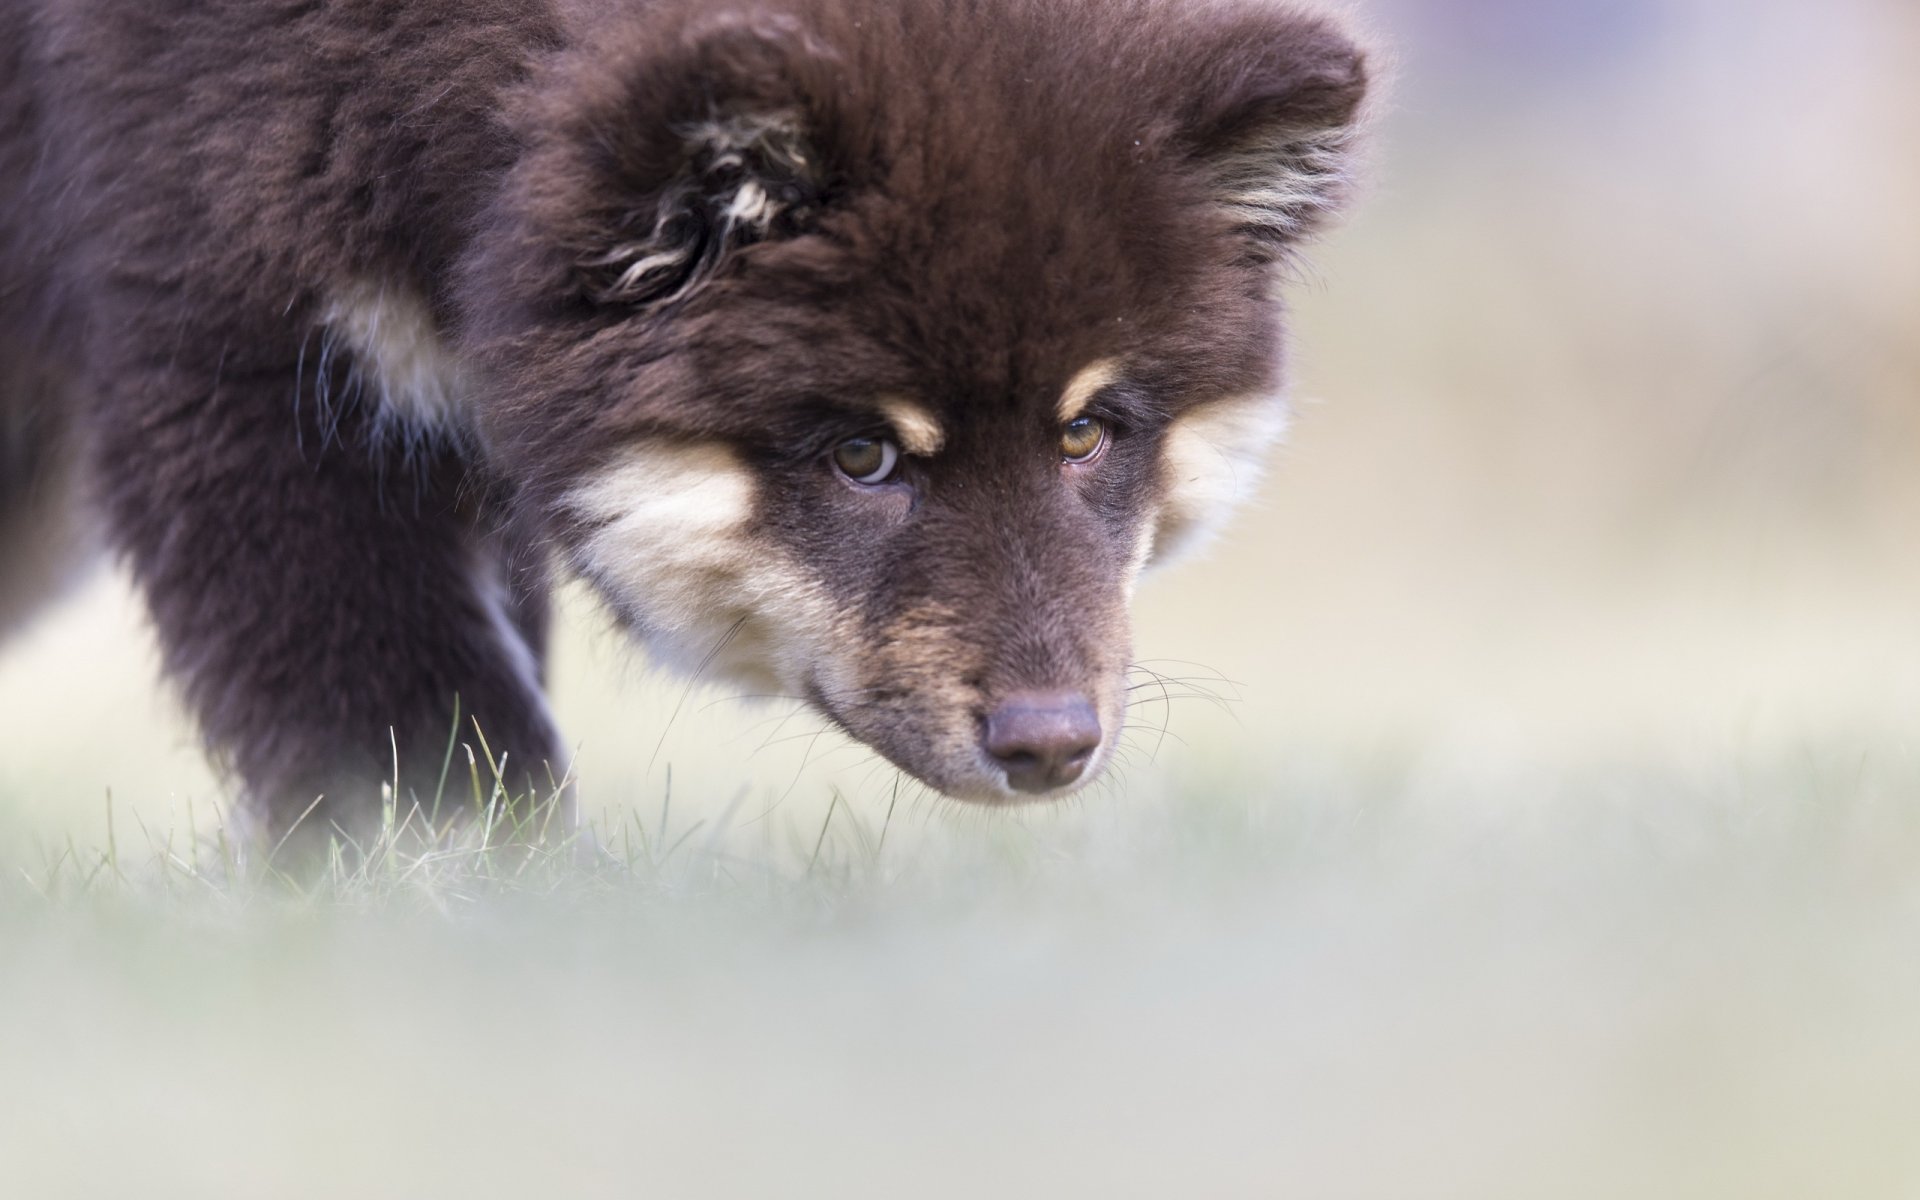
[{"x": 861, "y": 352}]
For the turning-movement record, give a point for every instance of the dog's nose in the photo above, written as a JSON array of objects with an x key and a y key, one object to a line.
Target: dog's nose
[{"x": 1044, "y": 740}]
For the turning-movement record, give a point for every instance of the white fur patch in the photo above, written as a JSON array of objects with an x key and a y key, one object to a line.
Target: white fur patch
[
  {"x": 399, "y": 357},
  {"x": 490, "y": 584},
  {"x": 672, "y": 549},
  {"x": 1283, "y": 184},
  {"x": 918, "y": 431},
  {"x": 1083, "y": 387},
  {"x": 1145, "y": 542},
  {"x": 642, "y": 261},
  {"x": 1213, "y": 460}
]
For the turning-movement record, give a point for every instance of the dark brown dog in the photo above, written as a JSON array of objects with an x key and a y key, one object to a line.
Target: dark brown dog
[{"x": 863, "y": 351}]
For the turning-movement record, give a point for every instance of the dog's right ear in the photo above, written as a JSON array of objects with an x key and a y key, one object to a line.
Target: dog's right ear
[
  {"x": 714, "y": 142},
  {"x": 1272, "y": 115}
]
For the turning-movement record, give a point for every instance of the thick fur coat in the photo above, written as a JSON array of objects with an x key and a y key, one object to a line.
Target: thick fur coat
[{"x": 359, "y": 322}]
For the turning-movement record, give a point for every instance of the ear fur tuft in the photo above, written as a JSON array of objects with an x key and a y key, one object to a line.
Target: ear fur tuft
[{"x": 744, "y": 178}]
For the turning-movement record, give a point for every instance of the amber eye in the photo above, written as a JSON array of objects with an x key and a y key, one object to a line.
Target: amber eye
[
  {"x": 1082, "y": 439},
  {"x": 867, "y": 460}
]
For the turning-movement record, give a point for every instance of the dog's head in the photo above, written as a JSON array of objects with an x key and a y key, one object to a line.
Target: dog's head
[{"x": 866, "y": 353}]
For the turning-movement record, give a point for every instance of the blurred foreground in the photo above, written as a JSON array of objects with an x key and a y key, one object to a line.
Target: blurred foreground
[{"x": 1652, "y": 986}]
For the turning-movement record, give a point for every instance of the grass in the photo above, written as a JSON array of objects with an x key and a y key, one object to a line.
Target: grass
[{"x": 1358, "y": 981}]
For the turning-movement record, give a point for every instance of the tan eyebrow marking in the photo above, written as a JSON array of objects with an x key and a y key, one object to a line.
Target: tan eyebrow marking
[
  {"x": 1082, "y": 388},
  {"x": 918, "y": 431}
]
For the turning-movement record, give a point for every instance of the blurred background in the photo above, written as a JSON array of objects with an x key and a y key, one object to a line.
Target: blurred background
[
  {"x": 1559, "y": 841},
  {"x": 1608, "y": 450}
]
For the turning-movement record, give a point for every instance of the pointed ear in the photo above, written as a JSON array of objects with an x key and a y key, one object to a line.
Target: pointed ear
[
  {"x": 1274, "y": 122},
  {"x": 718, "y": 145}
]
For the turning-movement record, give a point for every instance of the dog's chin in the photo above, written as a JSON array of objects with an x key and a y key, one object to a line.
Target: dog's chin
[
  {"x": 1009, "y": 798},
  {"x": 978, "y": 782}
]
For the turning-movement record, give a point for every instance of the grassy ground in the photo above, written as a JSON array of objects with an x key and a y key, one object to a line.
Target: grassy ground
[{"x": 1614, "y": 982}]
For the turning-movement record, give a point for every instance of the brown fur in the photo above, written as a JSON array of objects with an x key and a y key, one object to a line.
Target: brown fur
[
  {"x": 44, "y": 537},
  {"x": 668, "y": 224}
]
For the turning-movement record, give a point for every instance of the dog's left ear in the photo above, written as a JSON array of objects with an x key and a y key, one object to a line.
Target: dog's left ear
[{"x": 1273, "y": 118}]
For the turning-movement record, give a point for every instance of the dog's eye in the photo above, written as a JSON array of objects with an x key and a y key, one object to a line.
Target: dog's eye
[
  {"x": 1082, "y": 439},
  {"x": 867, "y": 460}
]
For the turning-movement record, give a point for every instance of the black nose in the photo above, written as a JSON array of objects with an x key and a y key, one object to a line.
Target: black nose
[{"x": 1044, "y": 740}]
